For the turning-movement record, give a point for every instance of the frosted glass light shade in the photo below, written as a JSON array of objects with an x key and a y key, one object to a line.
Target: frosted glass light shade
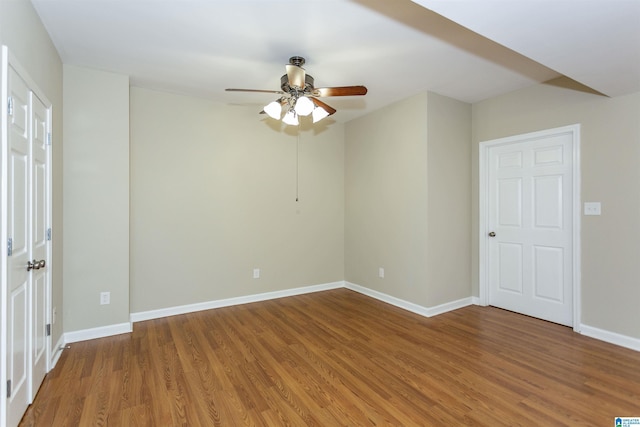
[
  {"x": 274, "y": 110},
  {"x": 304, "y": 106},
  {"x": 318, "y": 114},
  {"x": 291, "y": 118}
]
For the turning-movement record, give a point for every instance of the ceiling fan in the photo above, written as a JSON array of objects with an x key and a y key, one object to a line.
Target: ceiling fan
[{"x": 300, "y": 97}]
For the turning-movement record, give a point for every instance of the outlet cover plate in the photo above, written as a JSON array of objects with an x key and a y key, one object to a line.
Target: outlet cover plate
[
  {"x": 592, "y": 208},
  {"x": 105, "y": 298}
]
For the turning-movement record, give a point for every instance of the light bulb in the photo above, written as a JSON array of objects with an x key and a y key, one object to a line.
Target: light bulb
[
  {"x": 318, "y": 114},
  {"x": 304, "y": 106},
  {"x": 274, "y": 110},
  {"x": 291, "y": 118}
]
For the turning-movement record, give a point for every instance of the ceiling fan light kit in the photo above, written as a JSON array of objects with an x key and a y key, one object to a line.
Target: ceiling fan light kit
[
  {"x": 304, "y": 106},
  {"x": 319, "y": 114},
  {"x": 274, "y": 110},
  {"x": 291, "y": 118},
  {"x": 300, "y": 96}
]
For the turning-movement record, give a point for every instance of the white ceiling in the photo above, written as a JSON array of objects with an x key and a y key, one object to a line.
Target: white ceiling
[{"x": 394, "y": 47}]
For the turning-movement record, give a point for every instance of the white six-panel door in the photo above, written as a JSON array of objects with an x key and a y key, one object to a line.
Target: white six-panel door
[
  {"x": 26, "y": 208},
  {"x": 40, "y": 122},
  {"x": 18, "y": 301},
  {"x": 529, "y": 226}
]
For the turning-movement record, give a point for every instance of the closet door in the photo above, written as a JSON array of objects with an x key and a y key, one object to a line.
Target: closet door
[
  {"x": 40, "y": 277},
  {"x": 18, "y": 280},
  {"x": 26, "y": 195}
]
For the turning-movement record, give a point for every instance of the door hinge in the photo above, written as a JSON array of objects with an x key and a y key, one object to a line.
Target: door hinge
[
  {"x": 48, "y": 329},
  {"x": 48, "y": 233},
  {"x": 8, "y": 389},
  {"x": 9, "y": 246},
  {"x": 10, "y": 106},
  {"x": 49, "y": 138}
]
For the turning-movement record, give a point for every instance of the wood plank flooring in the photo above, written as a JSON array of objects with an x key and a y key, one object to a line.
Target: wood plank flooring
[{"x": 340, "y": 358}]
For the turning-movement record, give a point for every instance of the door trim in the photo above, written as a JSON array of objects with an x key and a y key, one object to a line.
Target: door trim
[
  {"x": 3, "y": 231},
  {"x": 483, "y": 212}
]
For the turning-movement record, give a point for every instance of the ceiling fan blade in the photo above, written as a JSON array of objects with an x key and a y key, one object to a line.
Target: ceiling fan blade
[
  {"x": 340, "y": 91},
  {"x": 296, "y": 76},
  {"x": 329, "y": 109},
  {"x": 255, "y": 90}
]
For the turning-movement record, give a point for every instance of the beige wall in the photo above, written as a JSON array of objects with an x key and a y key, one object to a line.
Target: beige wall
[
  {"x": 449, "y": 199},
  {"x": 96, "y": 198},
  {"x": 213, "y": 195},
  {"x": 610, "y": 167},
  {"x": 28, "y": 41},
  {"x": 407, "y": 192}
]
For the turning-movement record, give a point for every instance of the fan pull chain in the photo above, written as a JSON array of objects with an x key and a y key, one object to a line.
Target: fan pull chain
[{"x": 297, "y": 162}]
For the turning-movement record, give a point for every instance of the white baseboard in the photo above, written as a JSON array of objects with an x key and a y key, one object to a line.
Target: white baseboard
[
  {"x": 610, "y": 337},
  {"x": 208, "y": 305},
  {"x": 100, "y": 332},
  {"x": 453, "y": 305},
  {"x": 409, "y": 306},
  {"x": 105, "y": 331}
]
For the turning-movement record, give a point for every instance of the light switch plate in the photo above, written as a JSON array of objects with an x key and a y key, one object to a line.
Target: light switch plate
[{"x": 592, "y": 208}]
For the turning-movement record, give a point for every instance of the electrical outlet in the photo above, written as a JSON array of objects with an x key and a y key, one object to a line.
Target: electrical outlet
[
  {"x": 105, "y": 298},
  {"x": 381, "y": 272},
  {"x": 592, "y": 208},
  {"x": 256, "y": 273}
]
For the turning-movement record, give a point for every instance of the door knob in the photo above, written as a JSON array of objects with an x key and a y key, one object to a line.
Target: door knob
[
  {"x": 492, "y": 234},
  {"x": 36, "y": 265}
]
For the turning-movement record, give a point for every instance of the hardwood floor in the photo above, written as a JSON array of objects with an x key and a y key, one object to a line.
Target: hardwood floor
[{"x": 340, "y": 358}]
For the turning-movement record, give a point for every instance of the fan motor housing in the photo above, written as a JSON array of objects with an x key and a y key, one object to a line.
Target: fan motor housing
[{"x": 308, "y": 84}]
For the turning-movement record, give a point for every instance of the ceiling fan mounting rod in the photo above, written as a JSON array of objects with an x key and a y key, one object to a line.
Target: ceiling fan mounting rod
[{"x": 297, "y": 60}]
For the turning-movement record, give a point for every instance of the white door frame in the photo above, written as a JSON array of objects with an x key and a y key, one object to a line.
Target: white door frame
[
  {"x": 483, "y": 229},
  {"x": 3, "y": 233}
]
